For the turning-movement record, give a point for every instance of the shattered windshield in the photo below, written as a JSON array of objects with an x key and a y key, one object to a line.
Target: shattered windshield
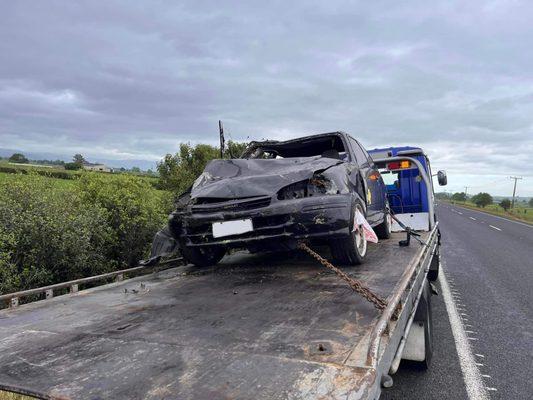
[{"x": 324, "y": 146}]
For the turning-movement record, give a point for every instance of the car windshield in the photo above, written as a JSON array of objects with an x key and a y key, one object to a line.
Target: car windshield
[{"x": 325, "y": 146}]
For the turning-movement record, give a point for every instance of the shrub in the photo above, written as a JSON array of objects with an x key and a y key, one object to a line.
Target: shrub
[
  {"x": 48, "y": 235},
  {"x": 505, "y": 204},
  {"x": 50, "y": 232},
  {"x": 72, "y": 166},
  {"x": 134, "y": 211}
]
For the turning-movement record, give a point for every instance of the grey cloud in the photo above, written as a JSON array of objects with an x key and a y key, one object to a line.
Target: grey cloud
[{"x": 133, "y": 79}]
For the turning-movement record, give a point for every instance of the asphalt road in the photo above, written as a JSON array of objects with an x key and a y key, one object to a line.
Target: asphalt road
[{"x": 489, "y": 265}]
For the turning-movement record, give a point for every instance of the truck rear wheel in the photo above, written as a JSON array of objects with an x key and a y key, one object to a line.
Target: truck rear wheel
[
  {"x": 203, "y": 256},
  {"x": 351, "y": 250},
  {"x": 423, "y": 316}
]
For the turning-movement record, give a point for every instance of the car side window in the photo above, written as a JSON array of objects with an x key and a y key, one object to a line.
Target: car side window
[{"x": 360, "y": 155}]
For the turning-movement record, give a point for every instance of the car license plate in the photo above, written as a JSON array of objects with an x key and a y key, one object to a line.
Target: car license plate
[{"x": 228, "y": 228}]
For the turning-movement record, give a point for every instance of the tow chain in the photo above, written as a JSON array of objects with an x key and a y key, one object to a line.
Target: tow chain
[{"x": 355, "y": 284}]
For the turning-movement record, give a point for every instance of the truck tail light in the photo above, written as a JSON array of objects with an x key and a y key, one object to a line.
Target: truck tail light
[{"x": 393, "y": 166}]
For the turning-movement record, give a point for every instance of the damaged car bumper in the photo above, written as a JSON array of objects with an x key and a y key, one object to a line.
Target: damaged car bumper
[{"x": 272, "y": 219}]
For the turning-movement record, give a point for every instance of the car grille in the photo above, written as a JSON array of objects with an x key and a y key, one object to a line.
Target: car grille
[{"x": 213, "y": 205}]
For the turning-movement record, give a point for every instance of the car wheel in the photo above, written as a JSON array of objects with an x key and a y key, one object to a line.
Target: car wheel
[
  {"x": 203, "y": 257},
  {"x": 351, "y": 250},
  {"x": 383, "y": 230}
]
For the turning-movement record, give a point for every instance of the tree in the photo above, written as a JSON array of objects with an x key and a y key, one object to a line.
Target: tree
[
  {"x": 459, "y": 196},
  {"x": 505, "y": 204},
  {"x": 178, "y": 172},
  {"x": 18, "y": 158},
  {"x": 442, "y": 196},
  {"x": 482, "y": 199},
  {"x": 135, "y": 170},
  {"x": 79, "y": 159},
  {"x": 531, "y": 202}
]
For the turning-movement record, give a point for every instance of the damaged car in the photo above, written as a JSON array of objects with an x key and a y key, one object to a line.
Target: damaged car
[{"x": 279, "y": 193}]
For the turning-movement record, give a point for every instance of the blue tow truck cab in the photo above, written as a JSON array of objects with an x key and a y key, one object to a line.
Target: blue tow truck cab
[{"x": 407, "y": 191}]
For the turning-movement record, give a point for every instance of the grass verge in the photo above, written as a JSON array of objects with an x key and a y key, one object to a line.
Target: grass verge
[
  {"x": 521, "y": 214},
  {"x": 13, "y": 396}
]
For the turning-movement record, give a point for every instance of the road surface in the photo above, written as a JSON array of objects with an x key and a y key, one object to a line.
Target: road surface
[{"x": 488, "y": 262}]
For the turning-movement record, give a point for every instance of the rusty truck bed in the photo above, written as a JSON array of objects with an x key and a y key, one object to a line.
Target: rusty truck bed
[{"x": 264, "y": 326}]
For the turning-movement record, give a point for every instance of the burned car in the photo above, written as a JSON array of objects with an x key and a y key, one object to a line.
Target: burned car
[{"x": 278, "y": 193}]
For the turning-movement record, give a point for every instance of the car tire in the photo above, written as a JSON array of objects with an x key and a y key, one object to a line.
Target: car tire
[
  {"x": 351, "y": 250},
  {"x": 383, "y": 230},
  {"x": 203, "y": 257}
]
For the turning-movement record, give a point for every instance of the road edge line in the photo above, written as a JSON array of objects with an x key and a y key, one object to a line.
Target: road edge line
[{"x": 474, "y": 385}]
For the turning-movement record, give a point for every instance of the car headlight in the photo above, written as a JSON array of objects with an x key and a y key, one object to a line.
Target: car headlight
[{"x": 318, "y": 185}]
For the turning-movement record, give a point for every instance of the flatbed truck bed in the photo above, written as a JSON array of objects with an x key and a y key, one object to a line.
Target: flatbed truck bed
[{"x": 257, "y": 326}]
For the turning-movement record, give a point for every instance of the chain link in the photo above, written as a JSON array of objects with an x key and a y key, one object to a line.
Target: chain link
[{"x": 355, "y": 284}]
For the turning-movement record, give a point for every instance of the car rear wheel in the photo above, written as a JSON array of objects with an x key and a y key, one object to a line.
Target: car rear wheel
[
  {"x": 351, "y": 250},
  {"x": 203, "y": 256}
]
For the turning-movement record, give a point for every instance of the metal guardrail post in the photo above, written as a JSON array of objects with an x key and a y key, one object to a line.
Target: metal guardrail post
[
  {"x": 73, "y": 288},
  {"x": 14, "y": 302},
  {"x": 119, "y": 278}
]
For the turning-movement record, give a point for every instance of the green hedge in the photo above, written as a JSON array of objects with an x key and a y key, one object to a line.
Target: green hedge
[
  {"x": 52, "y": 173},
  {"x": 52, "y": 233}
]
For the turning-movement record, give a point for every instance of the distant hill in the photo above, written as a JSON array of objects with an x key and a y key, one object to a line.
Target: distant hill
[{"x": 115, "y": 163}]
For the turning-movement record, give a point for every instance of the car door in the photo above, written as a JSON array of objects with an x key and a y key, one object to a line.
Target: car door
[{"x": 371, "y": 181}]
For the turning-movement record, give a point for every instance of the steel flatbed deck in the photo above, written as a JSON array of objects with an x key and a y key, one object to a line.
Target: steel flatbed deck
[{"x": 257, "y": 326}]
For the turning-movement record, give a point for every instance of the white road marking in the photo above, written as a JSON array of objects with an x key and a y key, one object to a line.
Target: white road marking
[
  {"x": 472, "y": 218},
  {"x": 486, "y": 376},
  {"x": 459, "y": 212},
  {"x": 479, "y": 355},
  {"x": 472, "y": 377},
  {"x": 495, "y": 227},
  {"x": 491, "y": 389}
]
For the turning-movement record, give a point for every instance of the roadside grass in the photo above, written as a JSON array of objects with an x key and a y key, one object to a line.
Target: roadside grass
[
  {"x": 518, "y": 213},
  {"x": 54, "y": 182},
  {"x": 13, "y": 396}
]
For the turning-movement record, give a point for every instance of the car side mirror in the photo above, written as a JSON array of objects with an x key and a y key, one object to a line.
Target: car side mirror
[{"x": 442, "y": 178}]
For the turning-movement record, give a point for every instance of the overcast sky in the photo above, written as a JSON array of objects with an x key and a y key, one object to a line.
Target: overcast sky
[{"x": 131, "y": 79}]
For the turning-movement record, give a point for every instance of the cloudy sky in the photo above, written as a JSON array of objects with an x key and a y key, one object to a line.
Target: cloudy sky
[{"x": 132, "y": 79}]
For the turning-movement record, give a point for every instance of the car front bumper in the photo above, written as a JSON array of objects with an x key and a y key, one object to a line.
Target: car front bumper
[{"x": 321, "y": 217}]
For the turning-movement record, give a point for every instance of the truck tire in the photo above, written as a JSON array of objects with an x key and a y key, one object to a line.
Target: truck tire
[
  {"x": 350, "y": 250},
  {"x": 203, "y": 257},
  {"x": 383, "y": 230},
  {"x": 434, "y": 267},
  {"x": 423, "y": 316}
]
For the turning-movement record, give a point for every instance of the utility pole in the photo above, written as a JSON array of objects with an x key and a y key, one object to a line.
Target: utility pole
[
  {"x": 514, "y": 188},
  {"x": 466, "y": 191},
  {"x": 222, "y": 140}
]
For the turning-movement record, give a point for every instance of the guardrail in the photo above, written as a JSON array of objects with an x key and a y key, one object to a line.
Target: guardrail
[{"x": 13, "y": 298}]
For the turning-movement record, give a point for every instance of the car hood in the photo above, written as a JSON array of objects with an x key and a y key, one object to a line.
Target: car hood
[{"x": 239, "y": 178}]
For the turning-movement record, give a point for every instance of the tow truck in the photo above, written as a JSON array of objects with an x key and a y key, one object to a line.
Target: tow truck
[{"x": 256, "y": 326}]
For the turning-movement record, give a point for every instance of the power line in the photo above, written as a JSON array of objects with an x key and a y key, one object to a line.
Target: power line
[{"x": 514, "y": 188}]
